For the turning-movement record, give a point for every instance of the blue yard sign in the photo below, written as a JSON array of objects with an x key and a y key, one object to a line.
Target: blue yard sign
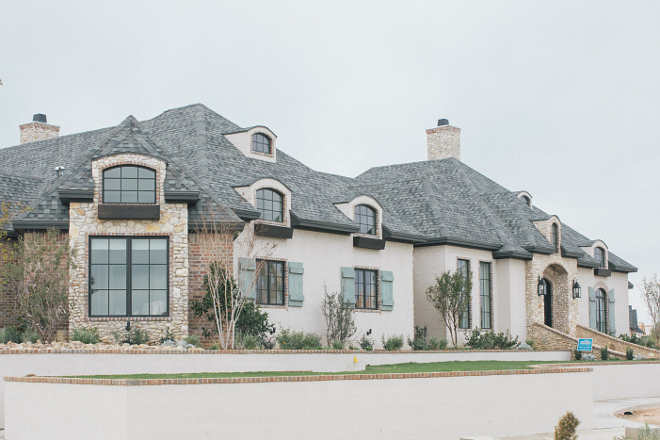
[{"x": 584, "y": 344}]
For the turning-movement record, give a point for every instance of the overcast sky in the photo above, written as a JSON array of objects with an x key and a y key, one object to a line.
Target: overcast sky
[{"x": 559, "y": 98}]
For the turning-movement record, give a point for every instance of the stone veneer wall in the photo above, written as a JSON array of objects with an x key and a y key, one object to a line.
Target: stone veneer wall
[
  {"x": 560, "y": 272},
  {"x": 38, "y": 131},
  {"x": 546, "y": 338},
  {"x": 173, "y": 223},
  {"x": 204, "y": 249},
  {"x": 443, "y": 142},
  {"x": 615, "y": 343}
]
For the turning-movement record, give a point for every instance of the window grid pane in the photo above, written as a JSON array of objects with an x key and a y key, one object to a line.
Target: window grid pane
[
  {"x": 366, "y": 289},
  {"x": 270, "y": 205},
  {"x": 484, "y": 296},
  {"x": 463, "y": 266},
  {"x": 365, "y": 217},
  {"x": 601, "y": 322},
  {"x": 270, "y": 283},
  {"x": 129, "y": 184},
  {"x": 261, "y": 143}
]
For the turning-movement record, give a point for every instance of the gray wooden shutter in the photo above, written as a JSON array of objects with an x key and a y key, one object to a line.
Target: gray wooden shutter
[
  {"x": 246, "y": 272},
  {"x": 592, "y": 308},
  {"x": 610, "y": 310},
  {"x": 296, "y": 296},
  {"x": 386, "y": 282},
  {"x": 348, "y": 284}
]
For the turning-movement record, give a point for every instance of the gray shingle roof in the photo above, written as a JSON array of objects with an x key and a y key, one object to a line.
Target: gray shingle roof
[{"x": 439, "y": 201}]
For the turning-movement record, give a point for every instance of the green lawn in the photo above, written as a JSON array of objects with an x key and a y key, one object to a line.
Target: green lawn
[{"x": 376, "y": 369}]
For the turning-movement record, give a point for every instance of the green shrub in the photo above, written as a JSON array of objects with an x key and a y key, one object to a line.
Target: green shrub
[
  {"x": 243, "y": 341},
  {"x": 604, "y": 353},
  {"x": 214, "y": 347},
  {"x": 530, "y": 342},
  {"x": 85, "y": 335},
  {"x": 646, "y": 433},
  {"x": 11, "y": 334},
  {"x": 392, "y": 343},
  {"x": 421, "y": 341},
  {"x": 630, "y": 353},
  {"x": 193, "y": 340},
  {"x": 577, "y": 354},
  {"x": 167, "y": 335},
  {"x": 292, "y": 340},
  {"x": 30, "y": 335},
  {"x": 134, "y": 336},
  {"x": 490, "y": 340},
  {"x": 438, "y": 344},
  {"x": 565, "y": 429},
  {"x": 337, "y": 345},
  {"x": 366, "y": 343}
]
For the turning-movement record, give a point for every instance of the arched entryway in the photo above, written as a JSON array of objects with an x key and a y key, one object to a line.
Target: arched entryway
[{"x": 547, "y": 303}]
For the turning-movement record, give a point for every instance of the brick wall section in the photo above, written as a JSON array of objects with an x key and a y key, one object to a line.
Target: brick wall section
[
  {"x": 547, "y": 338},
  {"x": 615, "y": 343},
  {"x": 7, "y": 295},
  {"x": 202, "y": 250}
]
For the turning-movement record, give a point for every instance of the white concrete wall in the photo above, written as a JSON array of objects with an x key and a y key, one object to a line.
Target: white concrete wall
[
  {"x": 71, "y": 364},
  {"x": 323, "y": 256},
  {"x": 617, "y": 281},
  {"x": 626, "y": 381},
  {"x": 386, "y": 409},
  {"x": 510, "y": 302}
]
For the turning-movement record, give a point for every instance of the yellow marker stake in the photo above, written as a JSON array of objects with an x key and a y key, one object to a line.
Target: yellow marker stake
[{"x": 355, "y": 359}]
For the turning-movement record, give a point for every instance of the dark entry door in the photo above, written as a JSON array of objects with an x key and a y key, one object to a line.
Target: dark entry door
[{"x": 547, "y": 302}]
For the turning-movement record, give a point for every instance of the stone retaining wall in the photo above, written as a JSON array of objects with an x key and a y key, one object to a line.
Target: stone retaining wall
[
  {"x": 547, "y": 338},
  {"x": 613, "y": 343}
]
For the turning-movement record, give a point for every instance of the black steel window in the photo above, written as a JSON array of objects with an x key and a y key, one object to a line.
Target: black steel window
[
  {"x": 128, "y": 276},
  {"x": 599, "y": 254},
  {"x": 485, "y": 294},
  {"x": 129, "y": 184},
  {"x": 365, "y": 217},
  {"x": 601, "y": 311},
  {"x": 260, "y": 143},
  {"x": 555, "y": 237},
  {"x": 271, "y": 205},
  {"x": 463, "y": 267},
  {"x": 366, "y": 289},
  {"x": 270, "y": 283}
]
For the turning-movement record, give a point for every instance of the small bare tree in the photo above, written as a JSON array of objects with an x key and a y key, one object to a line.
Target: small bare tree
[
  {"x": 650, "y": 290},
  {"x": 227, "y": 281},
  {"x": 339, "y": 317},
  {"x": 451, "y": 297}
]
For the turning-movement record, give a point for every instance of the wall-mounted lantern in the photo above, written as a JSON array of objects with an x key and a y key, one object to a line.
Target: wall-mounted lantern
[
  {"x": 576, "y": 289},
  {"x": 541, "y": 286}
]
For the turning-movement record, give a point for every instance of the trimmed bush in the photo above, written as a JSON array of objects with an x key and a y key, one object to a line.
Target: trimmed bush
[
  {"x": 85, "y": 335},
  {"x": 11, "y": 334},
  {"x": 193, "y": 340},
  {"x": 604, "y": 353},
  {"x": 392, "y": 343},
  {"x": 366, "y": 343},
  {"x": 565, "y": 429},
  {"x": 630, "y": 353},
  {"x": 577, "y": 354},
  {"x": 292, "y": 340},
  {"x": 490, "y": 340},
  {"x": 134, "y": 336}
]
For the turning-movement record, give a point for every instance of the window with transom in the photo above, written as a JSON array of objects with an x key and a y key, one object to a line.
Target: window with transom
[
  {"x": 129, "y": 184},
  {"x": 365, "y": 217},
  {"x": 270, "y": 204}
]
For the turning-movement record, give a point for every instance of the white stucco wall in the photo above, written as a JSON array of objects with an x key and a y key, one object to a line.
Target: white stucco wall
[
  {"x": 617, "y": 281},
  {"x": 385, "y": 409},
  {"x": 323, "y": 255},
  {"x": 510, "y": 303},
  {"x": 626, "y": 381}
]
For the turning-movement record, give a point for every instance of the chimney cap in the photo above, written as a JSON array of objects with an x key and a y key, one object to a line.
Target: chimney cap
[
  {"x": 39, "y": 117},
  {"x": 441, "y": 122}
]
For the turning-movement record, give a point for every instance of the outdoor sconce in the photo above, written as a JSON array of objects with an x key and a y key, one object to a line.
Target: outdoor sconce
[
  {"x": 541, "y": 287},
  {"x": 576, "y": 289}
]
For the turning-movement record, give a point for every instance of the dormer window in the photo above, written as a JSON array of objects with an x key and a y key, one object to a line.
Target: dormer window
[
  {"x": 555, "y": 237},
  {"x": 365, "y": 217},
  {"x": 599, "y": 254},
  {"x": 261, "y": 143},
  {"x": 129, "y": 184},
  {"x": 270, "y": 205},
  {"x": 527, "y": 201}
]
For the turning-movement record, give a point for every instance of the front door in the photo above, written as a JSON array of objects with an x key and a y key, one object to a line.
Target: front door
[{"x": 547, "y": 302}]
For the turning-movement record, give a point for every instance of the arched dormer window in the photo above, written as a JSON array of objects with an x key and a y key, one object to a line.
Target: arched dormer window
[
  {"x": 261, "y": 143},
  {"x": 555, "y": 237},
  {"x": 599, "y": 254},
  {"x": 365, "y": 217},
  {"x": 270, "y": 205},
  {"x": 129, "y": 184},
  {"x": 526, "y": 200}
]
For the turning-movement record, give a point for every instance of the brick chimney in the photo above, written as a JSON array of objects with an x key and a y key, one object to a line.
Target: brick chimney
[
  {"x": 38, "y": 130},
  {"x": 443, "y": 141}
]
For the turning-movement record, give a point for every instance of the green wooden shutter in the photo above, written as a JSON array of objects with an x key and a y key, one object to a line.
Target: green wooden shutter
[
  {"x": 246, "y": 272},
  {"x": 610, "y": 311},
  {"x": 296, "y": 296},
  {"x": 348, "y": 284},
  {"x": 592, "y": 308},
  {"x": 386, "y": 282}
]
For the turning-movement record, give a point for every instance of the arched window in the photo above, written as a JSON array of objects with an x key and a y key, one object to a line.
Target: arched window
[
  {"x": 599, "y": 254},
  {"x": 601, "y": 311},
  {"x": 270, "y": 205},
  {"x": 261, "y": 143},
  {"x": 129, "y": 184},
  {"x": 365, "y": 217},
  {"x": 527, "y": 200},
  {"x": 555, "y": 237}
]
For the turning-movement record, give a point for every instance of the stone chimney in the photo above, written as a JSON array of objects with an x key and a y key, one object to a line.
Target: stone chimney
[
  {"x": 443, "y": 141},
  {"x": 38, "y": 130}
]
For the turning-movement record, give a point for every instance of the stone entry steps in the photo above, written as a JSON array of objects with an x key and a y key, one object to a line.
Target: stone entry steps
[{"x": 548, "y": 338}]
